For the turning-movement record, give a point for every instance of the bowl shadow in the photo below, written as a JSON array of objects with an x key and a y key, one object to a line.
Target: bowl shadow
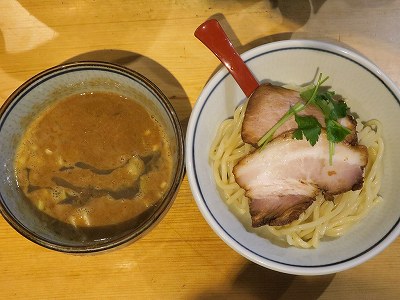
[
  {"x": 256, "y": 282},
  {"x": 152, "y": 70}
]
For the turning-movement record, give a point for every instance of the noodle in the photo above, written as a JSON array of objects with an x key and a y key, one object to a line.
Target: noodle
[{"x": 322, "y": 218}]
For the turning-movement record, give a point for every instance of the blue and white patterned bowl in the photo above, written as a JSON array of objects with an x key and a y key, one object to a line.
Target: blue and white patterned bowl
[
  {"x": 368, "y": 91},
  {"x": 57, "y": 83}
]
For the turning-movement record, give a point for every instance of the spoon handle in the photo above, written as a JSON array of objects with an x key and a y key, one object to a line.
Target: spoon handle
[{"x": 211, "y": 34}]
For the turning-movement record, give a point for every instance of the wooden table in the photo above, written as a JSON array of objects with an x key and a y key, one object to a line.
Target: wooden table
[{"x": 182, "y": 258}]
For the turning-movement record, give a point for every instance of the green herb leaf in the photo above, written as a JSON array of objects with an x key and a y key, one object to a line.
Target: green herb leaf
[
  {"x": 325, "y": 102},
  {"x": 332, "y": 109},
  {"x": 298, "y": 134},
  {"x": 336, "y": 132},
  {"x": 309, "y": 127},
  {"x": 339, "y": 110}
]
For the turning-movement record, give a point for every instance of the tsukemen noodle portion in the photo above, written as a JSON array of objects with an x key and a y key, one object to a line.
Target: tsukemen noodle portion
[
  {"x": 275, "y": 174},
  {"x": 94, "y": 159}
]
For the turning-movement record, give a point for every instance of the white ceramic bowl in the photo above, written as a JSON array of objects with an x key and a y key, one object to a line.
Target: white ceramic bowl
[
  {"x": 55, "y": 84},
  {"x": 368, "y": 91}
]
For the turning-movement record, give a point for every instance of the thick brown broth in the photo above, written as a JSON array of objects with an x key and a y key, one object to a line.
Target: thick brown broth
[{"x": 94, "y": 159}]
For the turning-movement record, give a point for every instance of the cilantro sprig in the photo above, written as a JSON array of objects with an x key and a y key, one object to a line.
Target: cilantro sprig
[{"x": 308, "y": 126}]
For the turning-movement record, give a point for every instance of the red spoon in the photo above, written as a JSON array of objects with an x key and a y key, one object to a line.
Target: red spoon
[{"x": 211, "y": 34}]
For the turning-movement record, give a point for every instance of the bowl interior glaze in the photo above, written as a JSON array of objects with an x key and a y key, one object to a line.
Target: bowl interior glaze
[{"x": 368, "y": 91}]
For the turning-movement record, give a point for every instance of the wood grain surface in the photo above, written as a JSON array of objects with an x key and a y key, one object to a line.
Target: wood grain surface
[{"x": 182, "y": 258}]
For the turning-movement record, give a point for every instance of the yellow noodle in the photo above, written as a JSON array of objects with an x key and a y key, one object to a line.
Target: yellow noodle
[{"x": 322, "y": 218}]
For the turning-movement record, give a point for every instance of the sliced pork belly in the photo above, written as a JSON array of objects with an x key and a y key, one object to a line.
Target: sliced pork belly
[
  {"x": 283, "y": 179},
  {"x": 269, "y": 103}
]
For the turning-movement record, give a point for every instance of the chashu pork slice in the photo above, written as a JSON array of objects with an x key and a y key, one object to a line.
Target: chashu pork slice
[
  {"x": 283, "y": 179},
  {"x": 269, "y": 103}
]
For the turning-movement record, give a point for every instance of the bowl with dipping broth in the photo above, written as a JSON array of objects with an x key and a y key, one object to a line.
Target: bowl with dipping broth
[{"x": 92, "y": 157}]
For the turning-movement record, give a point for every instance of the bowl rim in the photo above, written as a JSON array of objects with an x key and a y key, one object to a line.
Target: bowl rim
[
  {"x": 176, "y": 180},
  {"x": 213, "y": 82}
]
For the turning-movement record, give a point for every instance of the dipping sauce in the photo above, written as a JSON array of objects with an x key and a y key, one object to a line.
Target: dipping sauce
[{"x": 94, "y": 159}]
